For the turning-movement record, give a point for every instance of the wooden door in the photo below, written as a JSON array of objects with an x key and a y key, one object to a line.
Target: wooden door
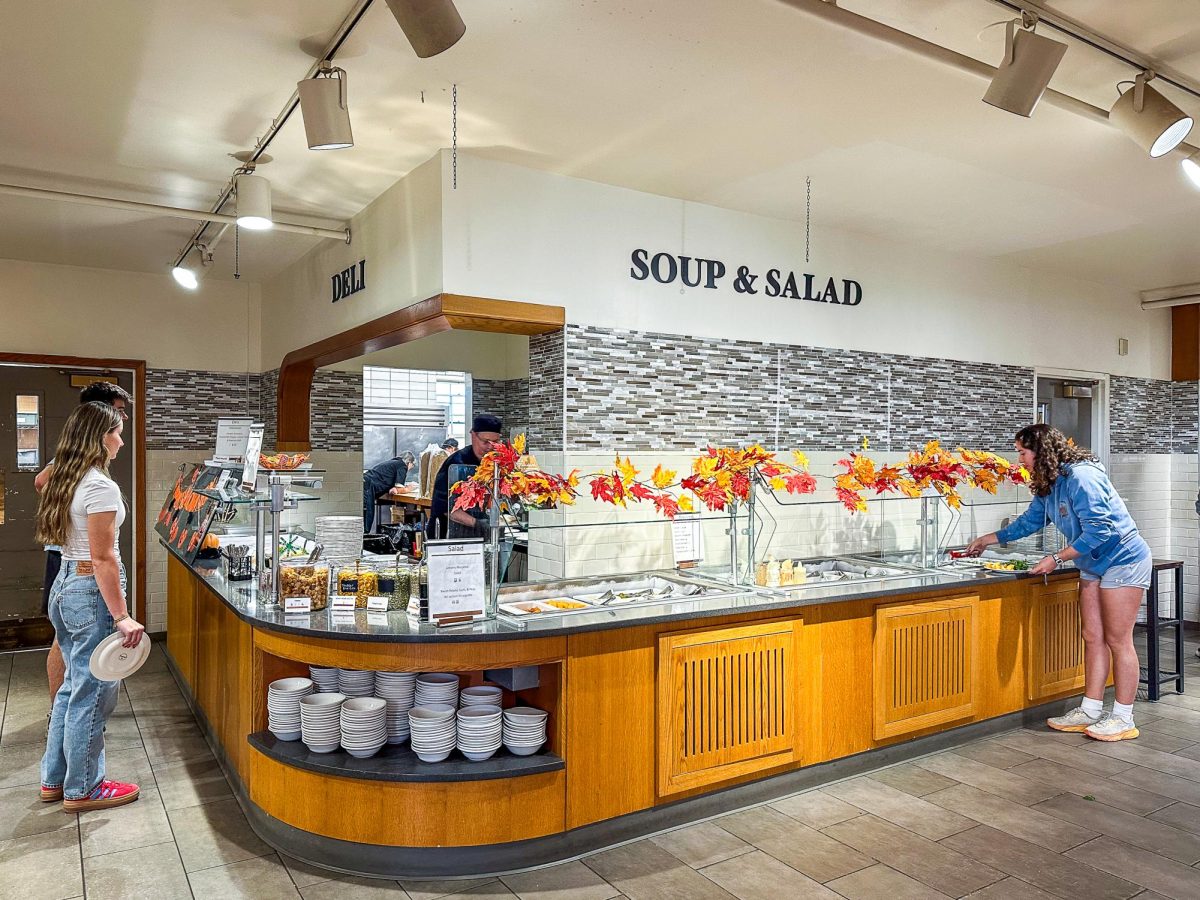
[
  {"x": 726, "y": 703},
  {"x": 1054, "y": 650},
  {"x": 925, "y": 664}
]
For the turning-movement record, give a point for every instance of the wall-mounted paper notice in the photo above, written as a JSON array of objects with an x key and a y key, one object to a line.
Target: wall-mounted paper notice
[{"x": 687, "y": 540}]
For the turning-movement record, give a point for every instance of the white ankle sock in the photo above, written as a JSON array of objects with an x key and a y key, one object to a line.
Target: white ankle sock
[
  {"x": 1123, "y": 711},
  {"x": 1092, "y": 707}
]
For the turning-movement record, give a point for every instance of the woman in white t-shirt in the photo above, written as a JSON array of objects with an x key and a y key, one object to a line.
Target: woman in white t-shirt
[{"x": 81, "y": 510}]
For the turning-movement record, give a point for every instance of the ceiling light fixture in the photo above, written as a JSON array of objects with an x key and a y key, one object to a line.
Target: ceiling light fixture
[
  {"x": 253, "y": 201},
  {"x": 1191, "y": 168},
  {"x": 188, "y": 276},
  {"x": 431, "y": 26},
  {"x": 1154, "y": 123},
  {"x": 1028, "y": 65},
  {"x": 324, "y": 109}
]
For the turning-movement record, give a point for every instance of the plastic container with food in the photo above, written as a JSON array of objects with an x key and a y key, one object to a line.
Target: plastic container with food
[
  {"x": 299, "y": 578},
  {"x": 395, "y": 583}
]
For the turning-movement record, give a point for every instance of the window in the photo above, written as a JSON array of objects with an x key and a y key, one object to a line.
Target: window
[
  {"x": 418, "y": 387},
  {"x": 29, "y": 433}
]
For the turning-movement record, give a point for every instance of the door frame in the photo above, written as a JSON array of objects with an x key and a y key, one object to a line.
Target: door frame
[
  {"x": 1100, "y": 411},
  {"x": 138, "y": 368}
]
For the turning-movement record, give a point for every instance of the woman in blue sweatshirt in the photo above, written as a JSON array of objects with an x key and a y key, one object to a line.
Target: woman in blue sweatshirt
[{"x": 1072, "y": 491}]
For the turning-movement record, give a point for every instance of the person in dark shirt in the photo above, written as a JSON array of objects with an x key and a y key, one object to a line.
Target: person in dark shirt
[
  {"x": 380, "y": 479},
  {"x": 486, "y": 432}
]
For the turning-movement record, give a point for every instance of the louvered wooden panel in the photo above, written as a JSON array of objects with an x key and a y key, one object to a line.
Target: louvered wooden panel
[
  {"x": 925, "y": 656},
  {"x": 1054, "y": 655},
  {"x": 726, "y": 703}
]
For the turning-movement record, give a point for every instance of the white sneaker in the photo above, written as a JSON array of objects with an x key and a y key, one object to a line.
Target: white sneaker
[
  {"x": 1075, "y": 720},
  {"x": 1112, "y": 728}
]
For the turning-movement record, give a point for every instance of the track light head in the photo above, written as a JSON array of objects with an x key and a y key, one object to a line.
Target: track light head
[
  {"x": 1155, "y": 124},
  {"x": 189, "y": 276},
  {"x": 1028, "y": 65},
  {"x": 1191, "y": 168},
  {"x": 431, "y": 26},
  {"x": 324, "y": 109},
  {"x": 253, "y": 202},
  {"x": 185, "y": 277}
]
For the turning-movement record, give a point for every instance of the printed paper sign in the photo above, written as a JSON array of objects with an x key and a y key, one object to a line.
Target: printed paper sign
[
  {"x": 342, "y": 602},
  {"x": 687, "y": 540},
  {"x": 456, "y": 580},
  {"x": 297, "y": 604},
  {"x": 377, "y": 604},
  {"x": 232, "y": 436}
]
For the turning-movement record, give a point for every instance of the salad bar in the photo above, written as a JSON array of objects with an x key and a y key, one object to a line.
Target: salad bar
[{"x": 519, "y": 602}]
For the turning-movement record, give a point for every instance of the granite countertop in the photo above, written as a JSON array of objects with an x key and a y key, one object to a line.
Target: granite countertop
[{"x": 399, "y": 627}]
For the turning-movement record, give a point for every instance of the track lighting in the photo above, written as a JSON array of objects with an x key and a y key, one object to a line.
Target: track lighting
[
  {"x": 188, "y": 276},
  {"x": 431, "y": 26},
  {"x": 253, "y": 202},
  {"x": 1028, "y": 65},
  {"x": 1156, "y": 124},
  {"x": 324, "y": 109},
  {"x": 1191, "y": 168}
]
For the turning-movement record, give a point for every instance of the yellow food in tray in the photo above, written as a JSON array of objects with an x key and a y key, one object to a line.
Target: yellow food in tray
[
  {"x": 565, "y": 603},
  {"x": 1016, "y": 566}
]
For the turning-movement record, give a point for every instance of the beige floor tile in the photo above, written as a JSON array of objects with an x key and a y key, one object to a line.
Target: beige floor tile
[
  {"x": 757, "y": 876},
  {"x": 1166, "y": 840},
  {"x": 645, "y": 871},
  {"x": 926, "y": 861},
  {"x": 144, "y": 685},
  {"x": 1180, "y": 815},
  {"x": 24, "y": 723},
  {"x": 882, "y": 881},
  {"x": 347, "y": 887},
  {"x": 988, "y": 778},
  {"x": 215, "y": 834},
  {"x": 1084, "y": 784},
  {"x": 191, "y": 782},
  {"x": 176, "y": 745},
  {"x": 1147, "y": 757},
  {"x": 434, "y": 890},
  {"x": 493, "y": 890},
  {"x": 1167, "y": 877},
  {"x": 805, "y": 849},
  {"x": 901, "y": 809},
  {"x": 262, "y": 878},
  {"x": 129, "y": 764},
  {"x": 816, "y": 809},
  {"x": 701, "y": 845},
  {"x": 1021, "y": 821},
  {"x": 569, "y": 881},
  {"x": 152, "y": 872},
  {"x": 1010, "y": 889},
  {"x": 139, "y": 824},
  {"x": 304, "y": 874},
  {"x": 995, "y": 754},
  {"x": 41, "y": 867},
  {"x": 1044, "y": 745},
  {"x": 20, "y": 764},
  {"x": 913, "y": 780},
  {"x": 1039, "y": 866},
  {"x": 22, "y": 814}
]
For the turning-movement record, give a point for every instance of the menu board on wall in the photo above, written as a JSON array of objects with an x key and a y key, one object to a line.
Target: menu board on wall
[{"x": 186, "y": 513}]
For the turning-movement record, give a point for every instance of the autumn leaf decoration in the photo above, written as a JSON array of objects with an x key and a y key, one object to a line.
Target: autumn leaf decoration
[{"x": 519, "y": 478}]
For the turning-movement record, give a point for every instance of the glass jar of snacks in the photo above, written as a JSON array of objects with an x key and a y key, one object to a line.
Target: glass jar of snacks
[
  {"x": 368, "y": 585},
  {"x": 394, "y": 584},
  {"x": 298, "y": 578},
  {"x": 347, "y": 580}
]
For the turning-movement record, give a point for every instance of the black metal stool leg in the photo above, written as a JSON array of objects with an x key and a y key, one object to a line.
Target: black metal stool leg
[
  {"x": 1179, "y": 661},
  {"x": 1153, "y": 667}
]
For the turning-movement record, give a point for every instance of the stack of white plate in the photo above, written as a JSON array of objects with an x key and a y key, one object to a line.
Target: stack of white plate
[
  {"x": 524, "y": 730},
  {"x": 481, "y": 695},
  {"x": 436, "y": 689},
  {"x": 354, "y": 683},
  {"x": 341, "y": 536},
  {"x": 321, "y": 721},
  {"x": 283, "y": 706},
  {"x": 326, "y": 680},
  {"x": 434, "y": 731},
  {"x": 479, "y": 729},
  {"x": 398, "y": 690},
  {"x": 364, "y": 726}
]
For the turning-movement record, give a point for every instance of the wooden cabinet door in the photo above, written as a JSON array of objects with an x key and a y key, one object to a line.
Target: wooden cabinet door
[
  {"x": 925, "y": 664},
  {"x": 1054, "y": 649},
  {"x": 726, "y": 703}
]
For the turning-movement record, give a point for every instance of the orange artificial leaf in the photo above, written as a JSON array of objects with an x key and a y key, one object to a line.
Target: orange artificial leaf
[{"x": 663, "y": 478}]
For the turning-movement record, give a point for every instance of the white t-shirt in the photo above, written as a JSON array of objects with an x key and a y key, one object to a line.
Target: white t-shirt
[{"x": 96, "y": 493}]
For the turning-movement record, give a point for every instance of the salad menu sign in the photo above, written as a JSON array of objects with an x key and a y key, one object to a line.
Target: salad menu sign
[{"x": 185, "y": 516}]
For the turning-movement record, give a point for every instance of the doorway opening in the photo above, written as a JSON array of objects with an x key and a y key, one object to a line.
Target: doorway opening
[{"x": 1076, "y": 403}]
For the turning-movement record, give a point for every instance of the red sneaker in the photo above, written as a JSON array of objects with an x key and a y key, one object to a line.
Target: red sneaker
[
  {"x": 51, "y": 794},
  {"x": 107, "y": 794}
]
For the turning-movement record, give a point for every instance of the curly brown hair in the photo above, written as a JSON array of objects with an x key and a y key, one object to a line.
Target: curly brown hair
[{"x": 1052, "y": 450}]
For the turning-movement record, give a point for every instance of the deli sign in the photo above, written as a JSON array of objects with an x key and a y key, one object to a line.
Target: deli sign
[
  {"x": 349, "y": 281},
  {"x": 695, "y": 271}
]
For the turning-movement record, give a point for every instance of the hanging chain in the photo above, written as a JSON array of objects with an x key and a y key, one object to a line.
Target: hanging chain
[
  {"x": 807, "y": 217},
  {"x": 454, "y": 136},
  {"x": 237, "y": 252}
]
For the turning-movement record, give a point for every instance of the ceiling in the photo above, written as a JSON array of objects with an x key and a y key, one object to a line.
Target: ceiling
[{"x": 732, "y": 104}]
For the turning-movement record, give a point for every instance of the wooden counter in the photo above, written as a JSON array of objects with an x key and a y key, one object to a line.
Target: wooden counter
[{"x": 642, "y": 717}]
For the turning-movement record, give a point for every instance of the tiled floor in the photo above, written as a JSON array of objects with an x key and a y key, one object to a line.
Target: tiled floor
[{"x": 1023, "y": 815}]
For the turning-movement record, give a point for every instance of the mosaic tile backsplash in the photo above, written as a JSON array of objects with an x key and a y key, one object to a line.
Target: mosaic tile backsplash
[
  {"x": 546, "y": 391},
  {"x": 508, "y": 399}
]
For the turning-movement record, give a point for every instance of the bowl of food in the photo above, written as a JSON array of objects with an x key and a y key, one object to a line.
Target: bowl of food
[{"x": 282, "y": 461}]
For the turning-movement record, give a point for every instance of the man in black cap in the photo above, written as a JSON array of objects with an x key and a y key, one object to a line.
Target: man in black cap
[{"x": 486, "y": 432}]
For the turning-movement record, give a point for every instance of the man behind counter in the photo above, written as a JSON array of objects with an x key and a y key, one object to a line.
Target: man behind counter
[
  {"x": 382, "y": 478},
  {"x": 486, "y": 432}
]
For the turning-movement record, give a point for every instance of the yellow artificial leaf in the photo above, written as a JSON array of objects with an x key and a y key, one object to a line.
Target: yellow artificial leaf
[
  {"x": 801, "y": 459},
  {"x": 705, "y": 465},
  {"x": 685, "y": 504},
  {"x": 866, "y": 444},
  {"x": 663, "y": 477},
  {"x": 777, "y": 483},
  {"x": 628, "y": 472},
  {"x": 519, "y": 443}
]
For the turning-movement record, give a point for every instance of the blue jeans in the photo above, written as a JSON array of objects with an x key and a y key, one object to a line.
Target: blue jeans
[{"x": 74, "y": 756}]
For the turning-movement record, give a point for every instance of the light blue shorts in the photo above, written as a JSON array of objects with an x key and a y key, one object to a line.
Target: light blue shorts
[{"x": 1134, "y": 574}]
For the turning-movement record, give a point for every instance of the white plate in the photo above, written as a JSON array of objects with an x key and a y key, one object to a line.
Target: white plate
[{"x": 112, "y": 662}]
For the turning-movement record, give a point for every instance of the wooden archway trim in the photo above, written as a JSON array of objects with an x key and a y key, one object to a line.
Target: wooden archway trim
[{"x": 442, "y": 312}]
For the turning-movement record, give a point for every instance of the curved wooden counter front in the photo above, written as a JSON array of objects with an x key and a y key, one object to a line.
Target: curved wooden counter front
[{"x": 650, "y": 721}]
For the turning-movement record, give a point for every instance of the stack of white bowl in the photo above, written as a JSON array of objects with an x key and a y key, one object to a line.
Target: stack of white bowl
[
  {"x": 481, "y": 695},
  {"x": 437, "y": 689},
  {"x": 326, "y": 680},
  {"x": 283, "y": 706},
  {"x": 355, "y": 683},
  {"x": 341, "y": 536},
  {"x": 434, "y": 731},
  {"x": 364, "y": 726},
  {"x": 398, "y": 690},
  {"x": 321, "y": 722},
  {"x": 479, "y": 729},
  {"x": 524, "y": 730}
]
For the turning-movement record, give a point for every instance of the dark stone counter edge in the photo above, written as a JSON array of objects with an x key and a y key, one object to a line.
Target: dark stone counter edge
[
  {"x": 937, "y": 584},
  {"x": 400, "y": 763}
]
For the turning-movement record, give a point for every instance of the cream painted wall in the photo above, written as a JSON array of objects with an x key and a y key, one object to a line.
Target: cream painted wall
[
  {"x": 73, "y": 311},
  {"x": 498, "y": 356},
  {"x": 515, "y": 233}
]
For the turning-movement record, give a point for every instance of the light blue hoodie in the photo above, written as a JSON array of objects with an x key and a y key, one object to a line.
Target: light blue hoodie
[{"x": 1085, "y": 507}]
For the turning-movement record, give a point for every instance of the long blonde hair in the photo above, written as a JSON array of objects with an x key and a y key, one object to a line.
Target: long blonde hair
[{"x": 80, "y": 448}]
